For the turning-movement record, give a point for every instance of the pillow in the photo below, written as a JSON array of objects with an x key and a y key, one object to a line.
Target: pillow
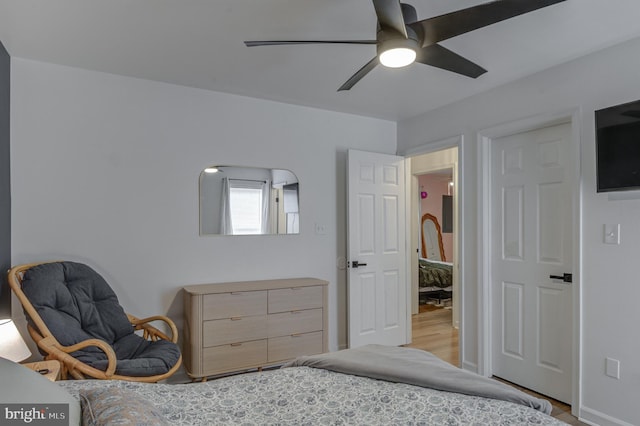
[
  {"x": 107, "y": 406},
  {"x": 21, "y": 385}
]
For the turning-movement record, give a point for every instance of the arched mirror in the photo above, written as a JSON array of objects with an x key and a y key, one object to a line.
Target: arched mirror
[
  {"x": 432, "y": 247},
  {"x": 237, "y": 200}
]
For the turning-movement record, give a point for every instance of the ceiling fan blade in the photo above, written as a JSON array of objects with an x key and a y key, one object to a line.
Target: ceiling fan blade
[
  {"x": 281, "y": 42},
  {"x": 462, "y": 21},
  {"x": 359, "y": 74},
  {"x": 441, "y": 57},
  {"x": 390, "y": 16}
]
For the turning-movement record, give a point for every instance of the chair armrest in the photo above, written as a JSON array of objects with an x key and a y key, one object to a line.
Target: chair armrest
[
  {"x": 61, "y": 353},
  {"x": 152, "y": 332}
]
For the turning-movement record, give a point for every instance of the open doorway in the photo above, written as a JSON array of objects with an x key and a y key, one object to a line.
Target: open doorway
[{"x": 435, "y": 294}]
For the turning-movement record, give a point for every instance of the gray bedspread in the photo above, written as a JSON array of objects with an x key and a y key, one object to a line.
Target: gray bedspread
[
  {"x": 419, "y": 368},
  {"x": 304, "y": 396}
]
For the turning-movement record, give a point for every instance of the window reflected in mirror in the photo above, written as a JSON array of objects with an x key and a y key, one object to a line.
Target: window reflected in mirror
[{"x": 238, "y": 200}]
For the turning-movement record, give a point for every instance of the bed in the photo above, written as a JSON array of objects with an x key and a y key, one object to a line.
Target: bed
[
  {"x": 435, "y": 274},
  {"x": 435, "y": 280},
  {"x": 312, "y": 390}
]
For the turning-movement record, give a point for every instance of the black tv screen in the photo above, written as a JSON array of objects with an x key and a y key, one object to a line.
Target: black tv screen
[
  {"x": 447, "y": 214},
  {"x": 618, "y": 147}
]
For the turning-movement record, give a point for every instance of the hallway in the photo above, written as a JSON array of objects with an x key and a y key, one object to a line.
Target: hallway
[{"x": 432, "y": 331}]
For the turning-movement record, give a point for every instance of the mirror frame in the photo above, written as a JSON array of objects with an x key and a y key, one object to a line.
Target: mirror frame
[{"x": 434, "y": 220}]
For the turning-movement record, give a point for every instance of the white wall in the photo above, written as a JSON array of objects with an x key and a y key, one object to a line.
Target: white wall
[
  {"x": 104, "y": 170},
  {"x": 610, "y": 286}
]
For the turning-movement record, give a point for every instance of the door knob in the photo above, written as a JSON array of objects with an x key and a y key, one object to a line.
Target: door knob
[
  {"x": 567, "y": 278},
  {"x": 356, "y": 264}
]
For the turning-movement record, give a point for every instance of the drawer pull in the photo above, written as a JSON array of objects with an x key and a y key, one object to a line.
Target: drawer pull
[
  {"x": 236, "y": 318},
  {"x": 236, "y": 344}
]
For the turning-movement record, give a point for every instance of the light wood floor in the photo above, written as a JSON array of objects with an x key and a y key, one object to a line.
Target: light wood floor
[{"x": 433, "y": 332}]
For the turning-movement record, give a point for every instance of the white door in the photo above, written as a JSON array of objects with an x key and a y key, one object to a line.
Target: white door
[
  {"x": 376, "y": 247},
  {"x": 532, "y": 225}
]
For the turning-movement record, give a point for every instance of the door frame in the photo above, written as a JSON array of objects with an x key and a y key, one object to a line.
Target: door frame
[
  {"x": 485, "y": 139},
  {"x": 458, "y": 177}
]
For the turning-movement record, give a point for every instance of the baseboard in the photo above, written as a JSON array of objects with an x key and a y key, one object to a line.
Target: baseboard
[
  {"x": 470, "y": 366},
  {"x": 596, "y": 418}
]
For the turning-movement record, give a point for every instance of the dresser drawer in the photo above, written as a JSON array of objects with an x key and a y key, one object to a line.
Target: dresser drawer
[
  {"x": 294, "y": 322},
  {"x": 287, "y": 347},
  {"x": 295, "y": 299},
  {"x": 234, "y": 357},
  {"x": 234, "y": 304},
  {"x": 233, "y": 330}
]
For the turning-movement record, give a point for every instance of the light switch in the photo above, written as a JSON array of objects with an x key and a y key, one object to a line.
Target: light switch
[{"x": 612, "y": 233}]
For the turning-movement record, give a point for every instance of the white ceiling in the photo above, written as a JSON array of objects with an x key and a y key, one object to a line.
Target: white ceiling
[{"x": 199, "y": 43}]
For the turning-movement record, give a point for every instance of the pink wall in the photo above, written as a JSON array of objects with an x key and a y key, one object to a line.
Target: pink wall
[{"x": 436, "y": 186}]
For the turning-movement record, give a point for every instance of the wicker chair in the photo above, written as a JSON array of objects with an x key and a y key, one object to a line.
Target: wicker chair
[{"x": 74, "y": 317}]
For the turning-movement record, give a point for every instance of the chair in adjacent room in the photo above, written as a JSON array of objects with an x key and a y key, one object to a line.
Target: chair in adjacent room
[{"x": 75, "y": 317}]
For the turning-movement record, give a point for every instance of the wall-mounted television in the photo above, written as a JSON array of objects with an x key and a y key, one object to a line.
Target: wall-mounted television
[
  {"x": 618, "y": 147},
  {"x": 447, "y": 214}
]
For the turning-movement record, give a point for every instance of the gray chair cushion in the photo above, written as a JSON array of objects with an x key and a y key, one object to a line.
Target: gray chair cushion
[{"x": 77, "y": 304}]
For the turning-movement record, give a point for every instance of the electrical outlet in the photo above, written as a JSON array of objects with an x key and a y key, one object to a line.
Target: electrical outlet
[
  {"x": 321, "y": 229},
  {"x": 612, "y": 233},
  {"x": 612, "y": 368}
]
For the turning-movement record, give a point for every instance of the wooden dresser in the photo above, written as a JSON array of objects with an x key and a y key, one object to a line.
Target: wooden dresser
[{"x": 251, "y": 324}]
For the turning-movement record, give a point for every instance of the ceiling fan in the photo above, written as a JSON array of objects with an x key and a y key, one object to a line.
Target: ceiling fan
[{"x": 401, "y": 39}]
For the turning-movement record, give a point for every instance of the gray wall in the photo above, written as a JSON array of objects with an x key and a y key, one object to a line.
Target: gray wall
[
  {"x": 105, "y": 168},
  {"x": 609, "y": 321},
  {"x": 5, "y": 187}
]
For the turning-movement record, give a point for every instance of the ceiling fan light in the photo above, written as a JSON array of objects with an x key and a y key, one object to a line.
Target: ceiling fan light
[
  {"x": 397, "y": 52},
  {"x": 397, "y": 57}
]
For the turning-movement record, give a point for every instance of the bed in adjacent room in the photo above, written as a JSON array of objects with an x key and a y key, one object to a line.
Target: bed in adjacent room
[
  {"x": 369, "y": 385},
  {"x": 435, "y": 280},
  {"x": 435, "y": 274}
]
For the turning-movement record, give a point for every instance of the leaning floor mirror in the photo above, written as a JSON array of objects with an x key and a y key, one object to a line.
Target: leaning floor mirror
[{"x": 237, "y": 200}]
